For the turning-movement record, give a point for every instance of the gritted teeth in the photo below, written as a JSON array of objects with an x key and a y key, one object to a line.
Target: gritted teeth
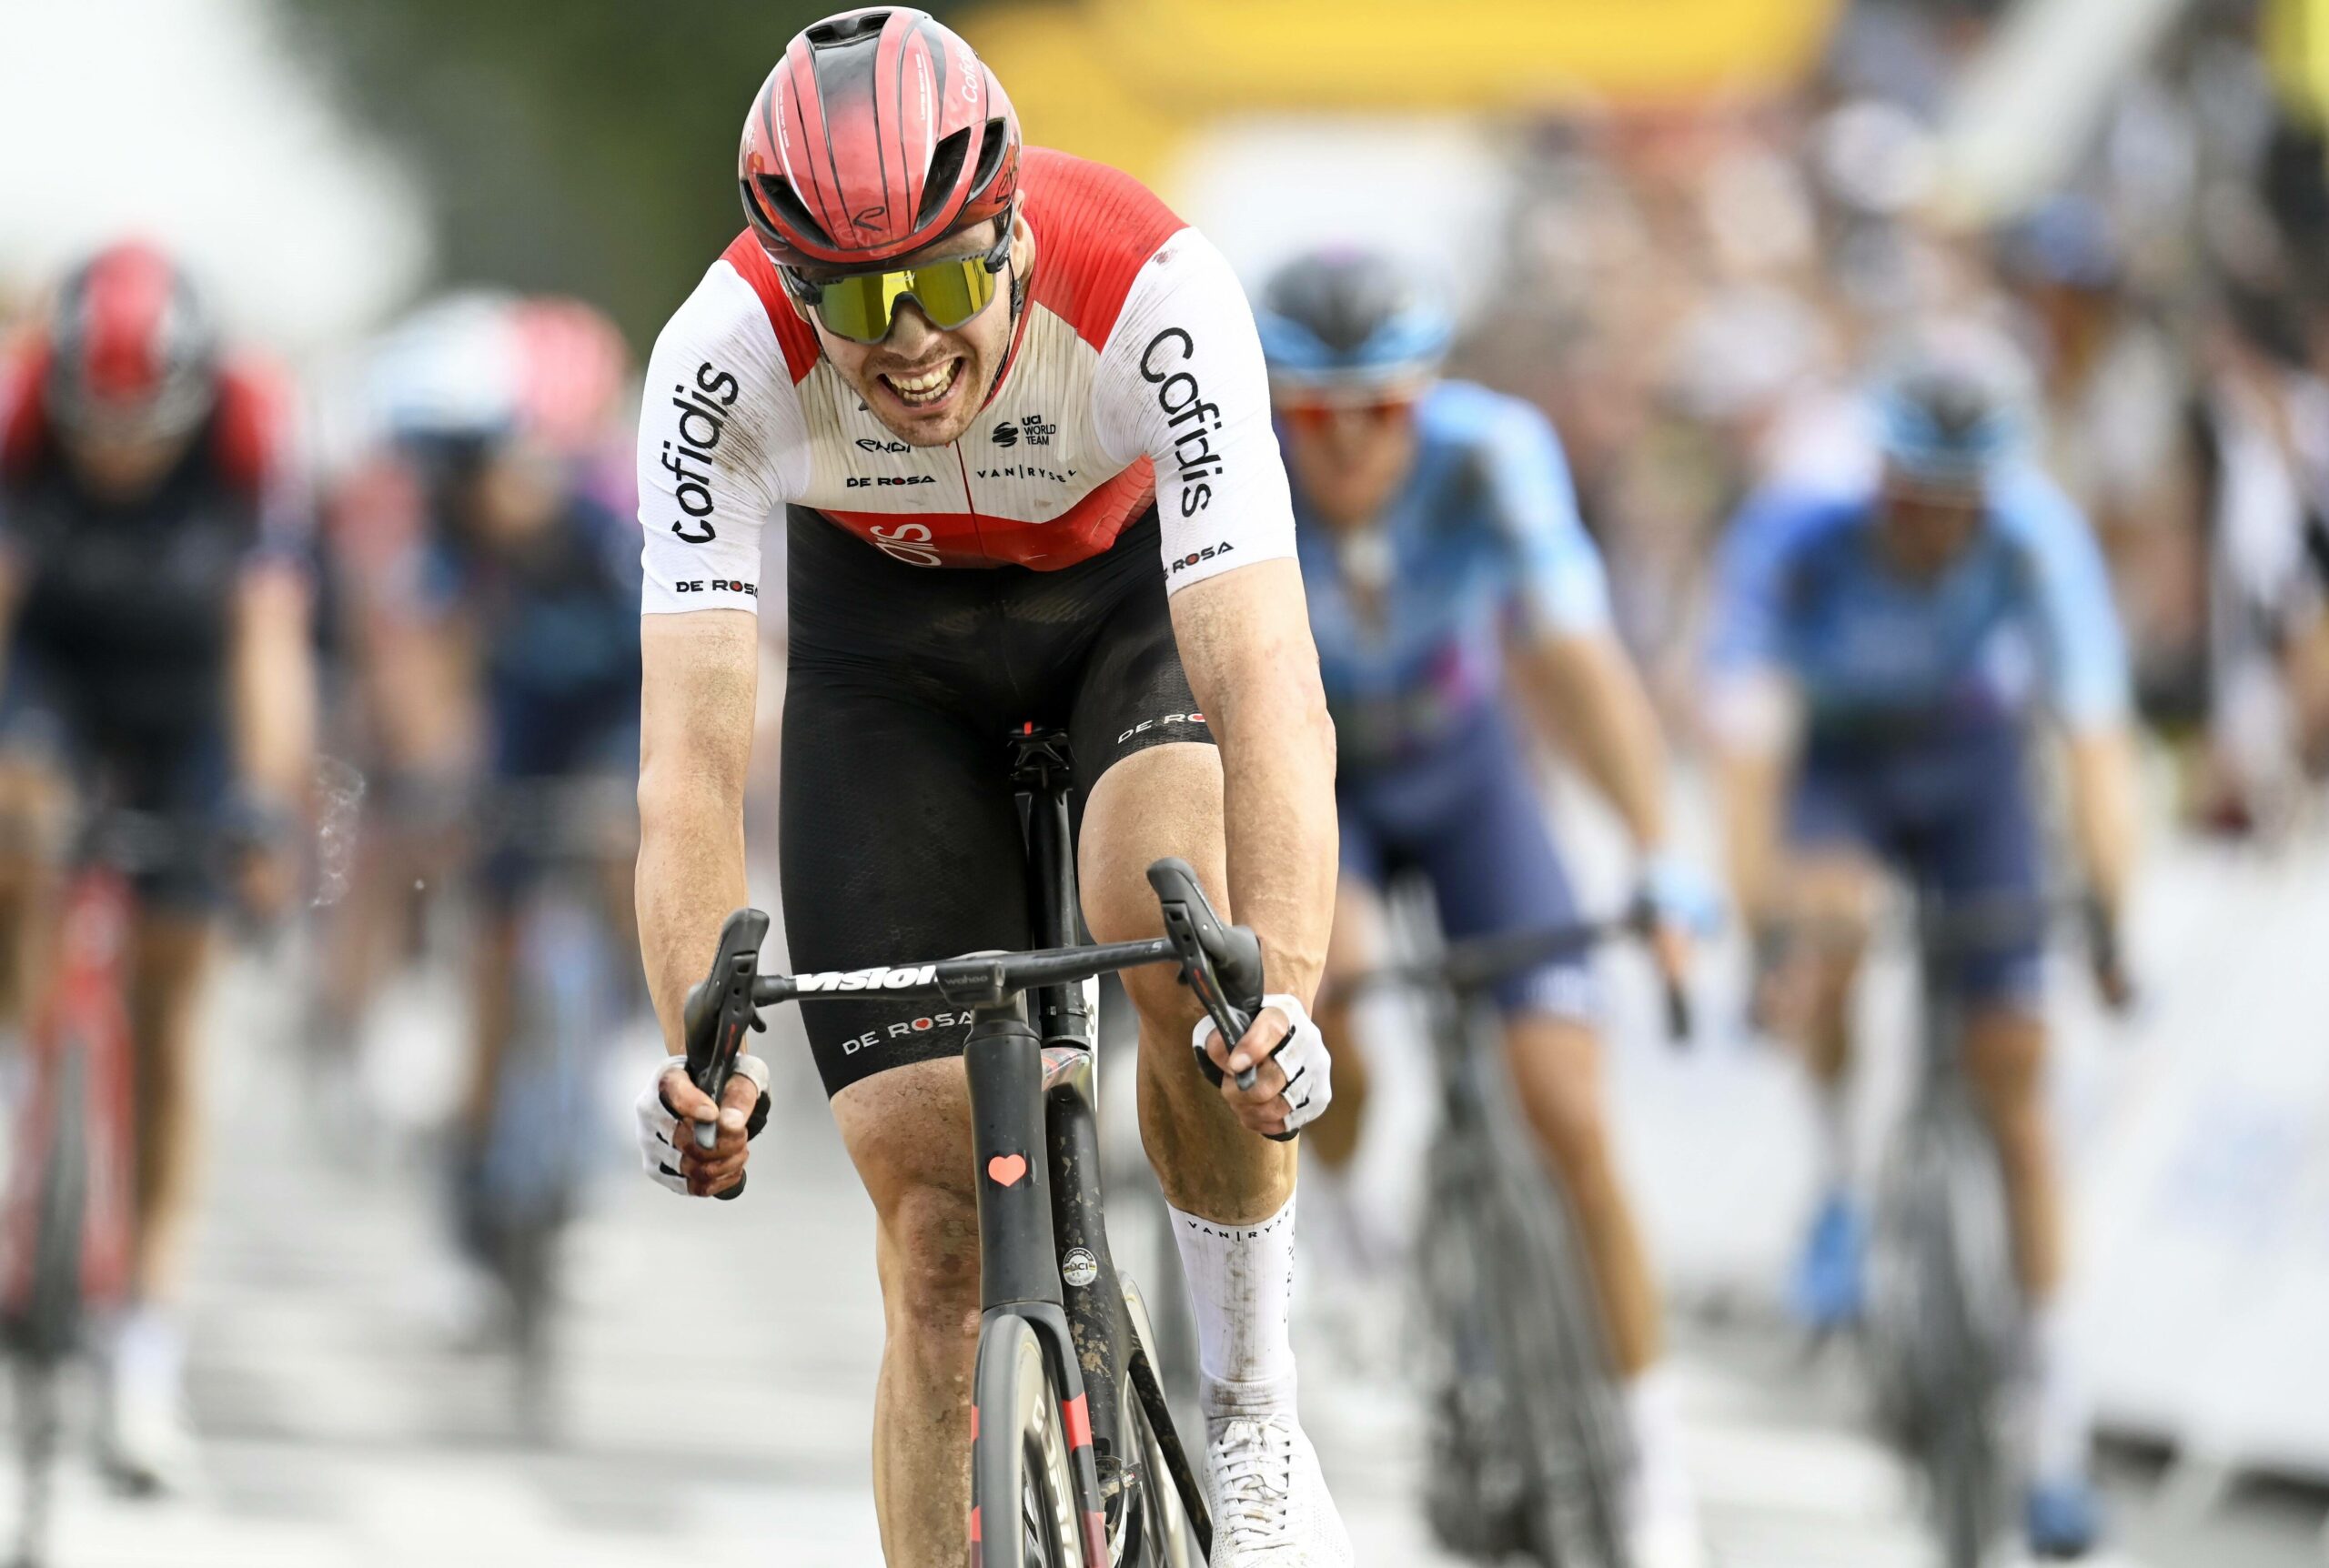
[{"x": 929, "y": 386}]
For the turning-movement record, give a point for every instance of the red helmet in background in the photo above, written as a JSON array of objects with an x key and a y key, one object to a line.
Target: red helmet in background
[
  {"x": 132, "y": 350},
  {"x": 878, "y": 133}
]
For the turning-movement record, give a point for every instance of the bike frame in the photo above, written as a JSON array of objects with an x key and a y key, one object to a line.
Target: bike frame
[
  {"x": 83, "y": 1029},
  {"x": 1034, "y": 1133},
  {"x": 1035, "y": 1093},
  {"x": 75, "y": 1172}
]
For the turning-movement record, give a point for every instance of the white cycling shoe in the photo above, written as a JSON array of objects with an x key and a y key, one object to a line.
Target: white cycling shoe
[
  {"x": 145, "y": 1442},
  {"x": 1268, "y": 1501},
  {"x": 147, "y": 1445}
]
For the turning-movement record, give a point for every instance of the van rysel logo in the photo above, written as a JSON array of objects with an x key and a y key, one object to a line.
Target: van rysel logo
[
  {"x": 879, "y": 978},
  {"x": 1183, "y": 400},
  {"x": 703, "y": 419}
]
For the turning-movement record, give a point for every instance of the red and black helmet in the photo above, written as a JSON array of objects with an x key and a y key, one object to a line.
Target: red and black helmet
[
  {"x": 132, "y": 349},
  {"x": 879, "y": 132}
]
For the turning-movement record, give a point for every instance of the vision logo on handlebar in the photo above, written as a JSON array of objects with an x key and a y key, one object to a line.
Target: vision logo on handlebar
[{"x": 881, "y": 976}]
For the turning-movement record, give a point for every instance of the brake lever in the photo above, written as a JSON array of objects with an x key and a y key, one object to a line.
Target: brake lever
[
  {"x": 1680, "y": 1024},
  {"x": 718, "y": 1010},
  {"x": 1198, "y": 973},
  {"x": 1197, "y": 934}
]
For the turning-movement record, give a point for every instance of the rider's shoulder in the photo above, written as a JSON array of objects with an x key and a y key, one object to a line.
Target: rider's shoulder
[
  {"x": 2032, "y": 510},
  {"x": 739, "y": 320},
  {"x": 1097, "y": 231},
  {"x": 1788, "y": 518},
  {"x": 1465, "y": 414},
  {"x": 254, "y": 428}
]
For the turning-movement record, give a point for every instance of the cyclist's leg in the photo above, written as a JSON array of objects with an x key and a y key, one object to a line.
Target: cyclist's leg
[
  {"x": 33, "y": 804},
  {"x": 864, "y": 773},
  {"x": 908, "y": 1130},
  {"x": 1156, "y": 788},
  {"x": 531, "y": 743},
  {"x": 183, "y": 780},
  {"x": 1980, "y": 848},
  {"x": 174, "y": 946},
  {"x": 1834, "y": 829},
  {"x": 1988, "y": 851},
  {"x": 36, "y": 804}
]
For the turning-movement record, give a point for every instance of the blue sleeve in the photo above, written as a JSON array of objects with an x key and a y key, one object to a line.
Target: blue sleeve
[
  {"x": 2078, "y": 624},
  {"x": 1747, "y": 629},
  {"x": 1558, "y": 575}
]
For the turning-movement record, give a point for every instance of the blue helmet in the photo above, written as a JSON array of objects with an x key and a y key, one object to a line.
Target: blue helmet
[
  {"x": 1954, "y": 408},
  {"x": 1347, "y": 317}
]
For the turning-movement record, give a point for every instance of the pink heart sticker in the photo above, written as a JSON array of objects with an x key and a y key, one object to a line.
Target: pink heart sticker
[{"x": 1005, "y": 1169}]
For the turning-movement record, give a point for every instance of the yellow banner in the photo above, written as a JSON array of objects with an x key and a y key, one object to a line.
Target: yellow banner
[
  {"x": 1122, "y": 81},
  {"x": 1458, "y": 54}
]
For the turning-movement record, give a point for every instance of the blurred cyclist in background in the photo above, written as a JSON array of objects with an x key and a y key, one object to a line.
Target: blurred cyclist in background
[
  {"x": 519, "y": 598},
  {"x": 1875, "y": 659},
  {"x": 156, "y": 595},
  {"x": 1440, "y": 542}
]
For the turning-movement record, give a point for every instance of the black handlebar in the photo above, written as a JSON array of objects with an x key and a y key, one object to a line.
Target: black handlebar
[{"x": 1221, "y": 963}]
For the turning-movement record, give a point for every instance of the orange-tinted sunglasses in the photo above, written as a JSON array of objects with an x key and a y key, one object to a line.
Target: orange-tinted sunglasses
[{"x": 1316, "y": 413}]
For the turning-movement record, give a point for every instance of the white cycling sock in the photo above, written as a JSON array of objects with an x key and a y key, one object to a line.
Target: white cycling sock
[
  {"x": 1241, "y": 1278},
  {"x": 2060, "y": 1416},
  {"x": 1661, "y": 1479},
  {"x": 148, "y": 1350}
]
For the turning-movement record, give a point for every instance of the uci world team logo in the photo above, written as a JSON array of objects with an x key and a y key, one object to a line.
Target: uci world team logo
[{"x": 1032, "y": 428}]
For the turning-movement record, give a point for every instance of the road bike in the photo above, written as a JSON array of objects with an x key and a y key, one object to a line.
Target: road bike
[
  {"x": 1944, "y": 1327},
  {"x": 1528, "y": 1447},
  {"x": 550, "y": 1124},
  {"x": 69, "y": 1219},
  {"x": 1076, "y": 1460}
]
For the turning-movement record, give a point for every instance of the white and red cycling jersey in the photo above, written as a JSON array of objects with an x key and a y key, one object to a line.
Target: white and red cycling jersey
[{"x": 1134, "y": 377}]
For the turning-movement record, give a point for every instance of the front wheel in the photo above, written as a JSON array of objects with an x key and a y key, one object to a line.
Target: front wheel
[{"x": 1023, "y": 1496}]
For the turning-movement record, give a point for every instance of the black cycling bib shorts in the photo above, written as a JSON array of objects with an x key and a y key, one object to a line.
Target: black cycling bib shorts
[{"x": 899, "y": 838}]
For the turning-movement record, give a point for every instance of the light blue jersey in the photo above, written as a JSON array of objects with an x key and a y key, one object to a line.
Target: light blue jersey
[
  {"x": 2025, "y": 615},
  {"x": 1483, "y": 532}
]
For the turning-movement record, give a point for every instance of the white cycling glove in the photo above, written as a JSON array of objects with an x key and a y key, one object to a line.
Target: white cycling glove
[
  {"x": 659, "y": 1127},
  {"x": 1302, "y": 1056}
]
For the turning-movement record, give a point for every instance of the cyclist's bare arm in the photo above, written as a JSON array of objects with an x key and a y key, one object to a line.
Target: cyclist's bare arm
[
  {"x": 1245, "y": 640},
  {"x": 2103, "y": 809},
  {"x": 699, "y": 678},
  {"x": 1588, "y": 699},
  {"x": 273, "y": 672},
  {"x": 1752, "y": 718}
]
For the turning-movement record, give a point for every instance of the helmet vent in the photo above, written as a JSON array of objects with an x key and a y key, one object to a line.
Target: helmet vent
[
  {"x": 945, "y": 169},
  {"x": 790, "y": 210},
  {"x": 993, "y": 142},
  {"x": 836, "y": 31}
]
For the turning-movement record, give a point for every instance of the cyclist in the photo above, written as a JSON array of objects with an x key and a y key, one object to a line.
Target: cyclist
[
  {"x": 524, "y": 590},
  {"x": 153, "y": 569},
  {"x": 1437, "y": 529},
  {"x": 1876, "y": 657},
  {"x": 992, "y": 386}
]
